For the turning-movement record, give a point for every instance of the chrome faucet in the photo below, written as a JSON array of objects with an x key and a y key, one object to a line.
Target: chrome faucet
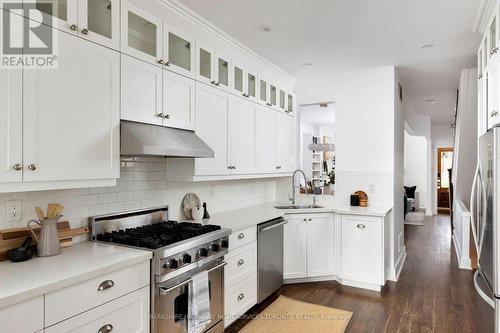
[{"x": 292, "y": 197}]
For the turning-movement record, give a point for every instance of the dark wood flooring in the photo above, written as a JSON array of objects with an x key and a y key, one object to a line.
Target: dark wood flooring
[{"x": 431, "y": 295}]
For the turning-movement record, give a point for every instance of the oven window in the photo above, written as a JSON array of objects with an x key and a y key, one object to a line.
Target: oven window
[{"x": 181, "y": 304}]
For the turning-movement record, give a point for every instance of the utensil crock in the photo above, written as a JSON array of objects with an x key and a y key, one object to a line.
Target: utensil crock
[{"x": 48, "y": 241}]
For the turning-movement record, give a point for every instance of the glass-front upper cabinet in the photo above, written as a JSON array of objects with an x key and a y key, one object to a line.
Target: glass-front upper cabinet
[
  {"x": 290, "y": 106},
  {"x": 263, "y": 92},
  {"x": 141, "y": 34},
  {"x": 492, "y": 37},
  {"x": 282, "y": 100},
  {"x": 480, "y": 65},
  {"x": 251, "y": 86},
  {"x": 63, "y": 14},
  {"x": 99, "y": 21},
  {"x": 273, "y": 96},
  {"x": 224, "y": 75},
  {"x": 179, "y": 51},
  {"x": 239, "y": 79}
]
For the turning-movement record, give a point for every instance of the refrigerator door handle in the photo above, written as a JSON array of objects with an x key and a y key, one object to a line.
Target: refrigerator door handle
[
  {"x": 472, "y": 208},
  {"x": 481, "y": 293}
]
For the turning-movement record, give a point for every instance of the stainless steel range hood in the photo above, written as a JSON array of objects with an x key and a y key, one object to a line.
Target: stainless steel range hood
[{"x": 139, "y": 139}]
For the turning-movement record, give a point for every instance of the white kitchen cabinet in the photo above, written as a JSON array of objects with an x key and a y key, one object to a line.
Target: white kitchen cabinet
[
  {"x": 282, "y": 102},
  {"x": 362, "y": 258},
  {"x": 212, "y": 107},
  {"x": 244, "y": 81},
  {"x": 264, "y": 91},
  {"x": 482, "y": 102},
  {"x": 493, "y": 35},
  {"x": 23, "y": 317},
  {"x": 95, "y": 20},
  {"x": 11, "y": 125},
  {"x": 71, "y": 115},
  {"x": 141, "y": 91},
  {"x": 214, "y": 67},
  {"x": 141, "y": 35},
  {"x": 273, "y": 96},
  {"x": 320, "y": 245},
  {"x": 127, "y": 314},
  {"x": 178, "y": 52},
  {"x": 178, "y": 101},
  {"x": 285, "y": 143},
  {"x": 295, "y": 247},
  {"x": 290, "y": 105},
  {"x": 493, "y": 89},
  {"x": 266, "y": 140},
  {"x": 242, "y": 136}
]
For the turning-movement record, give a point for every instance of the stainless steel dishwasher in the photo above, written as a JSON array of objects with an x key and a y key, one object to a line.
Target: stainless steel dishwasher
[{"x": 270, "y": 257}]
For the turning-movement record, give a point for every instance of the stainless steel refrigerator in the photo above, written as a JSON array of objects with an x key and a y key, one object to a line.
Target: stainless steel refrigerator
[{"x": 485, "y": 205}]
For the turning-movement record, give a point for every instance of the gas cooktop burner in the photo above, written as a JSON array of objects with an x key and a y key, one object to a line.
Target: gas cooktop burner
[{"x": 157, "y": 235}]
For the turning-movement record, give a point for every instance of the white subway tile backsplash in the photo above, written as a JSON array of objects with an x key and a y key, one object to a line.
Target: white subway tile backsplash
[{"x": 142, "y": 184}]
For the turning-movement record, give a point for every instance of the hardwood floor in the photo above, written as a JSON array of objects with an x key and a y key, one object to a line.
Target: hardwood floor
[{"x": 431, "y": 295}]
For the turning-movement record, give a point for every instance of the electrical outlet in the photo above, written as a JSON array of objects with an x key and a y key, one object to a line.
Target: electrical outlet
[{"x": 14, "y": 210}]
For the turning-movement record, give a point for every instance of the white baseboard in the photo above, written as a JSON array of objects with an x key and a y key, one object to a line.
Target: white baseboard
[
  {"x": 463, "y": 263},
  {"x": 428, "y": 212},
  {"x": 393, "y": 274},
  {"x": 311, "y": 279},
  {"x": 362, "y": 285},
  {"x": 344, "y": 282}
]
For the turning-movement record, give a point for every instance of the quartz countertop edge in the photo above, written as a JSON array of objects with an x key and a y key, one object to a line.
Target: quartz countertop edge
[
  {"x": 80, "y": 262},
  {"x": 238, "y": 219}
]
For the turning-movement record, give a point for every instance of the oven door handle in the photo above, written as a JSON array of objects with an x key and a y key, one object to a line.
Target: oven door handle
[{"x": 164, "y": 291}]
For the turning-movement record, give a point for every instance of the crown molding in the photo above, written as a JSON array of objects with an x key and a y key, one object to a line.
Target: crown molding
[
  {"x": 196, "y": 19},
  {"x": 483, "y": 15}
]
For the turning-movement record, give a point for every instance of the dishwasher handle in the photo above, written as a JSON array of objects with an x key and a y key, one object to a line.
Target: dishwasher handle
[{"x": 273, "y": 226}]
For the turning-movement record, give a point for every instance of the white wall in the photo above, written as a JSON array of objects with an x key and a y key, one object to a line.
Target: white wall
[
  {"x": 442, "y": 137},
  {"x": 142, "y": 184},
  {"x": 417, "y": 166}
]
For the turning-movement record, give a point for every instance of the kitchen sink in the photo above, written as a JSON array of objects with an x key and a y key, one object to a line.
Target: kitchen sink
[{"x": 298, "y": 207}]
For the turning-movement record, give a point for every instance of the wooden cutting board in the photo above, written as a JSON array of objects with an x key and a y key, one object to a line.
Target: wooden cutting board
[{"x": 13, "y": 238}]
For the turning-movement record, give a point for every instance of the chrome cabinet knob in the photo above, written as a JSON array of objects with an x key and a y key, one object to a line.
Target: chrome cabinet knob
[
  {"x": 159, "y": 115},
  {"x": 361, "y": 226},
  {"x": 17, "y": 167},
  {"x": 241, "y": 236},
  {"x": 241, "y": 262},
  {"x": 73, "y": 27},
  {"x": 32, "y": 167},
  {"x": 241, "y": 297},
  {"x": 85, "y": 31},
  {"x": 161, "y": 62},
  {"x": 493, "y": 51},
  {"x": 106, "y": 328},
  {"x": 213, "y": 82},
  {"x": 167, "y": 63},
  {"x": 494, "y": 113},
  {"x": 167, "y": 116}
]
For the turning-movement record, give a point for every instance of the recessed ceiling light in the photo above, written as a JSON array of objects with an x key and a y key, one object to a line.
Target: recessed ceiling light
[
  {"x": 265, "y": 28},
  {"x": 431, "y": 101},
  {"x": 427, "y": 46},
  {"x": 307, "y": 64}
]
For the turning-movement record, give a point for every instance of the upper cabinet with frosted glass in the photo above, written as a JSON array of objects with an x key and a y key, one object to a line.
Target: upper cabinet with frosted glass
[
  {"x": 492, "y": 40},
  {"x": 149, "y": 38},
  {"x": 213, "y": 67},
  {"x": 95, "y": 20},
  {"x": 245, "y": 81}
]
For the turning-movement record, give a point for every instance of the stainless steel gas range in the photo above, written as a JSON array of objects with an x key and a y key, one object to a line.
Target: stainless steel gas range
[{"x": 180, "y": 250}]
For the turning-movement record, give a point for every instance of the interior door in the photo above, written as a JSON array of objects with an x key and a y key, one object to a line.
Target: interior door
[
  {"x": 83, "y": 95},
  {"x": 212, "y": 106},
  {"x": 11, "y": 125},
  {"x": 241, "y": 136},
  {"x": 99, "y": 21},
  {"x": 141, "y": 91}
]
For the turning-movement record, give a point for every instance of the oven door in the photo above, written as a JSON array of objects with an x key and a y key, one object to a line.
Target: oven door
[{"x": 171, "y": 301}]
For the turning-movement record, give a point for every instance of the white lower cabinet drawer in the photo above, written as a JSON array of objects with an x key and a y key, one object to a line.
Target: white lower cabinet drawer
[
  {"x": 23, "y": 317},
  {"x": 240, "y": 298},
  {"x": 242, "y": 237},
  {"x": 127, "y": 314},
  {"x": 241, "y": 263},
  {"x": 70, "y": 301}
]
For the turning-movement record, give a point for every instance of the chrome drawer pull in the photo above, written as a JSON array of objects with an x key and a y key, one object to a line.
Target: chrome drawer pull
[
  {"x": 241, "y": 236},
  {"x": 361, "y": 226},
  {"x": 241, "y": 262},
  {"x": 106, "y": 328},
  {"x": 241, "y": 296},
  {"x": 105, "y": 285}
]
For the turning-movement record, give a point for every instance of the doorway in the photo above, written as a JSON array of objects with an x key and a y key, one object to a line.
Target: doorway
[{"x": 445, "y": 162}]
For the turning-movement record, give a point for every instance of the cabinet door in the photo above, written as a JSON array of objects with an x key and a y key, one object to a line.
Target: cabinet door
[
  {"x": 320, "y": 245},
  {"x": 241, "y": 136},
  {"x": 205, "y": 71},
  {"x": 482, "y": 119},
  {"x": 62, "y": 14},
  {"x": 295, "y": 248},
  {"x": 239, "y": 80},
  {"x": 141, "y": 34},
  {"x": 362, "y": 252},
  {"x": 290, "y": 103},
  {"x": 178, "y": 100},
  {"x": 263, "y": 91},
  {"x": 14, "y": 319},
  {"x": 99, "y": 21},
  {"x": 223, "y": 71},
  {"x": 211, "y": 126},
  {"x": 251, "y": 85},
  {"x": 71, "y": 114},
  {"x": 179, "y": 51},
  {"x": 11, "y": 125},
  {"x": 493, "y": 39},
  {"x": 266, "y": 141},
  {"x": 141, "y": 91},
  {"x": 282, "y": 100},
  {"x": 285, "y": 142},
  {"x": 493, "y": 94},
  {"x": 273, "y": 96}
]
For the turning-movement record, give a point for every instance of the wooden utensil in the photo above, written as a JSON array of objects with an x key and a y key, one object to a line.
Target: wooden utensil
[
  {"x": 54, "y": 210},
  {"x": 39, "y": 213}
]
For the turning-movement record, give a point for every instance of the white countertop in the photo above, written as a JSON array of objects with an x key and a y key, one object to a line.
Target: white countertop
[
  {"x": 82, "y": 261},
  {"x": 242, "y": 218}
]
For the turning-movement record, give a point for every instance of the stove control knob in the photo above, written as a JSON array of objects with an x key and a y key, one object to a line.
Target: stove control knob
[
  {"x": 202, "y": 252},
  {"x": 186, "y": 258},
  {"x": 214, "y": 247},
  {"x": 171, "y": 264},
  {"x": 224, "y": 244}
]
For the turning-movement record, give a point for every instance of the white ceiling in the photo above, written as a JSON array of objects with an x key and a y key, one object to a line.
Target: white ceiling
[
  {"x": 340, "y": 36},
  {"x": 318, "y": 116}
]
